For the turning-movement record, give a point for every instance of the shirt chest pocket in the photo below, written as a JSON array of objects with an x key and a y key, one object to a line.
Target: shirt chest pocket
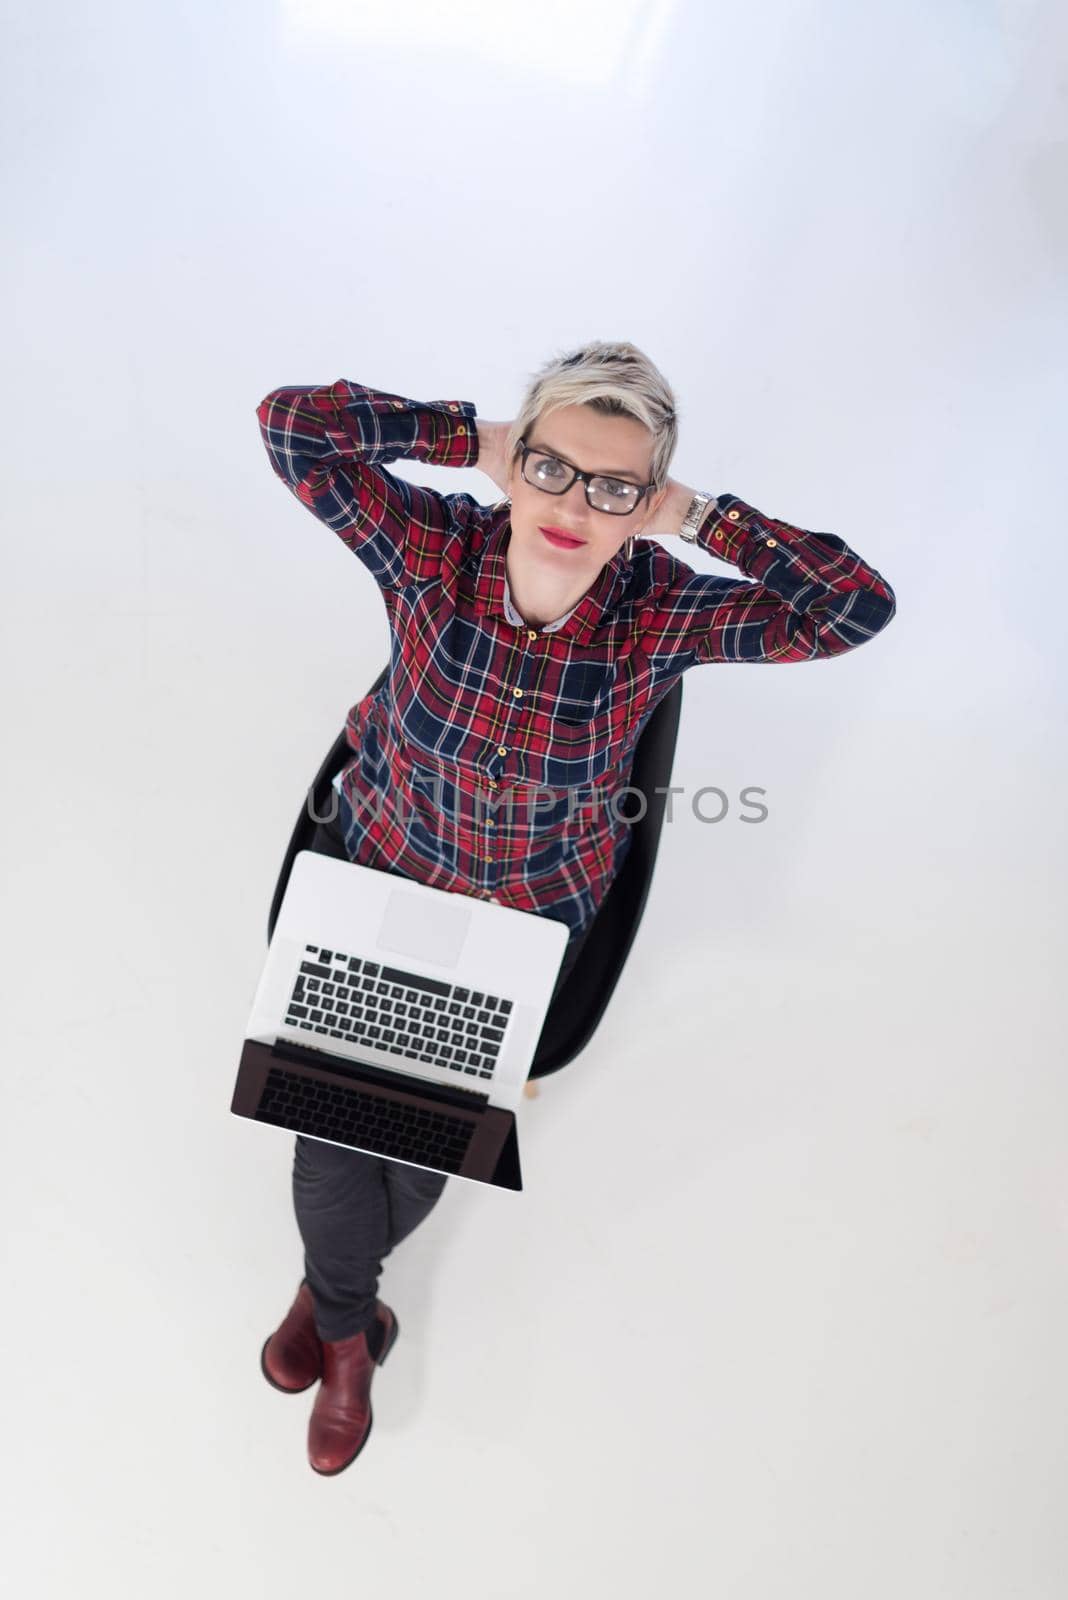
[
  {"x": 582, "y": 735},
  {"x": 575, "y": 752}
]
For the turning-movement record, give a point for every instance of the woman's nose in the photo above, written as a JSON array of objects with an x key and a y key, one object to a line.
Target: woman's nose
[{"x": 575, "y": 496}]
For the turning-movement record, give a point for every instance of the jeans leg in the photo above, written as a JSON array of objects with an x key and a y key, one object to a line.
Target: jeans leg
[
  {"x": 351, "y": 1209},
  {"x": 413, "y": 1192},
  {"x": 342, "y": 1210}
]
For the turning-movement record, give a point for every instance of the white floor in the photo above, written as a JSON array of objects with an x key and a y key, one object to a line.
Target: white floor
[{"x": 806, "y": 1338}]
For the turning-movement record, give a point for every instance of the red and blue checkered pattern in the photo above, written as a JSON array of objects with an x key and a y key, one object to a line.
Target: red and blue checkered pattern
[{"x": 487, "y": 761}]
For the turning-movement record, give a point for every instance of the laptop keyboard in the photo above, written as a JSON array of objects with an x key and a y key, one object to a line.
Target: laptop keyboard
[
  {"x": 390, "y": 1128},
  {"x": 421, "y": 1019}
]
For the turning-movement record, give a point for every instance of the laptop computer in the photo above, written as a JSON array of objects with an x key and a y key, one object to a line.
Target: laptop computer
[{"x": 398, "y": 1019}]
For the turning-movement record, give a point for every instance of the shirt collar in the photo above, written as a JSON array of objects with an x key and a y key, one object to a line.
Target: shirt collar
[{"x": 592, "y": 612}]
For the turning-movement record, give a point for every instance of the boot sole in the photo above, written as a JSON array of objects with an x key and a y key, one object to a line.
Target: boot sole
[{"x": 332, "y": 1472}]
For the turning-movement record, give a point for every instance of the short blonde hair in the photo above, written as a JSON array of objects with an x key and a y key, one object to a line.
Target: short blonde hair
[{"x": 616, "y": 379}]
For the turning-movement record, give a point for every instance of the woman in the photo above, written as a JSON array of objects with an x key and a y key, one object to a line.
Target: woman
[{"x": 530, "y": 643}]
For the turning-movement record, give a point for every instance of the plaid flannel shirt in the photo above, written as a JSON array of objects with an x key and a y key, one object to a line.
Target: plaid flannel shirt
[{"x": 488, "y": 760}]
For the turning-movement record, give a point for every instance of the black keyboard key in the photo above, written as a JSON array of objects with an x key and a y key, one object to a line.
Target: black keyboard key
[{"x": 411, "y": 1132}]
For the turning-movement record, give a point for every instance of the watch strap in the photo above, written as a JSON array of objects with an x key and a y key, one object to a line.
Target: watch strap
[{"x": 695, "y": 512}]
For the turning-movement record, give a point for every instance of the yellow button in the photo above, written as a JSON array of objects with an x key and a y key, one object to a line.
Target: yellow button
[
  {"x": 502, "y": 749},
  {"x": 490, "y": 823},
  {"x": 492, "y": 782},
  {"x": 454, "y": 408},
  {"x": 517, "y": 692},
  {"x": 461, "y": 429},
  {"x": 532, "y": 633},
  {"x": 718, "y": 534},
  {"x": 734, "y": 515},
  {"x": 771, "y": 543}
]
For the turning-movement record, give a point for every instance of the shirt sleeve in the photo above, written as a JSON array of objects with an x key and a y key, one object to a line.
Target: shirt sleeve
[
  {"x": 807, "y": 596},
  {"x": 330, "y": 445}
]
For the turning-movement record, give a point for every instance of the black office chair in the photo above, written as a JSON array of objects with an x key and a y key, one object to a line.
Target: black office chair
[{"x": 573, "y": 1016}]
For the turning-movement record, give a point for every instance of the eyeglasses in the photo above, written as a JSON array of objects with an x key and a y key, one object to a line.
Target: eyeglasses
[{"x": 613, "y": 495}]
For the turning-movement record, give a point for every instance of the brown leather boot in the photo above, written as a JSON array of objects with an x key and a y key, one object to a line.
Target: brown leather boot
[
  {"x": 292, "y": 1358},
  {"x": 340, "y": 1422}
]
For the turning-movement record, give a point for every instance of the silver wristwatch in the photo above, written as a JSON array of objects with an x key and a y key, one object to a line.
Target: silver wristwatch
[{"x": 694, "y": 515}]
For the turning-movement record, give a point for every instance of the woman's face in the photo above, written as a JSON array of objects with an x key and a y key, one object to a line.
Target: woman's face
[{"x": 578, "y": 436}]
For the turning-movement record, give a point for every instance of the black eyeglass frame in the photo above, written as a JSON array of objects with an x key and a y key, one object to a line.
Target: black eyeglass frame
[{"x": 587, "y": 478}]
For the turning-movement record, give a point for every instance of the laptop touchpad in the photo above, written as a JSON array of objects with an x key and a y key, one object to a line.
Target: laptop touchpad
[{"x": 430, "y": 930}]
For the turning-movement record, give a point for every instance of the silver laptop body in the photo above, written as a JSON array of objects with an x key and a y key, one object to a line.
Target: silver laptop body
[{"x": 398, "y": 1019}]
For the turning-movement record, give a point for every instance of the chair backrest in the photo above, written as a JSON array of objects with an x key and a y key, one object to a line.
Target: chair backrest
[
  {"x": 576, "y": 1011},
  {"x": 580, "y": 1004}
]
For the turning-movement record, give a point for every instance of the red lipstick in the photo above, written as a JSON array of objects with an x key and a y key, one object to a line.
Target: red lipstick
[{"x": 562, "y": 540}]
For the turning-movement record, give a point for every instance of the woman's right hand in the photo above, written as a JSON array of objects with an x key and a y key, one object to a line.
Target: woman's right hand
[{"x": 491, "y": 446}]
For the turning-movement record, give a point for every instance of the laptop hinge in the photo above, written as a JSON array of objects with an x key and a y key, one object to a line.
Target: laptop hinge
[{"x": 363, "y": 1071}]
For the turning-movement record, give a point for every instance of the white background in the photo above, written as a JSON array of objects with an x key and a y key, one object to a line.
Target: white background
[{"x": 782, "y": 1309}]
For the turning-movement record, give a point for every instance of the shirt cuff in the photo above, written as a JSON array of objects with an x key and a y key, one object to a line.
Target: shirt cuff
[
  {"x": 455, "y": 433},
  {"x": 730, "y": 528}
]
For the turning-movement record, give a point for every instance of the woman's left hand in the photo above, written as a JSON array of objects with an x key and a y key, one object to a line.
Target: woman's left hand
[{"x": 669, "y": 508}]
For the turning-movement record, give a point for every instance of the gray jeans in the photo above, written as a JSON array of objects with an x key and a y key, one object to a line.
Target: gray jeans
[{"x": 351, "y": 1207}]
